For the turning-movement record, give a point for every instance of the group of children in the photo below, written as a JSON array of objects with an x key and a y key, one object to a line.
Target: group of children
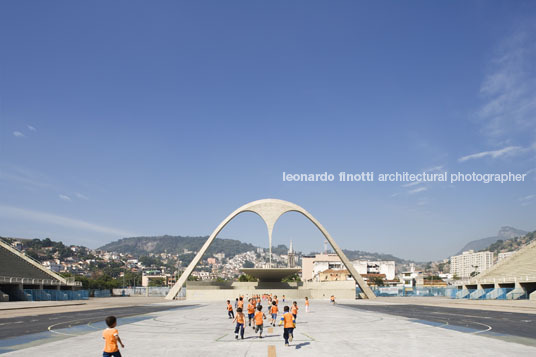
[{"x": 255, "y": 314}]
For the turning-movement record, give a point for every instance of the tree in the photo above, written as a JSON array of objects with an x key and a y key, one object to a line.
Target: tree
[
  {"x": 291, "y": 278},
  {"x": 150, "y": 261},
  {"x": 157, "y": 282},
  {"x": 246, "y": 278},
  {"x": 248, "y": 264},
  {"x": 378, "y": 281}
]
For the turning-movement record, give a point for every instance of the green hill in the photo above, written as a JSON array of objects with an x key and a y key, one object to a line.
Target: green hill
[
  {"x": 512, "y": 244},
  {"x": 358, "y": 254},
  {"x": 139, "y": 246}
]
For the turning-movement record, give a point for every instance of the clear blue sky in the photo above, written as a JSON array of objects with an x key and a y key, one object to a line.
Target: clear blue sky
[{"x": 146, "y": 118}]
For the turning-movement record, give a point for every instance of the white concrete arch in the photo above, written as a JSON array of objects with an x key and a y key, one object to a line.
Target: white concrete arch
[{"x": 270, "y": 210}]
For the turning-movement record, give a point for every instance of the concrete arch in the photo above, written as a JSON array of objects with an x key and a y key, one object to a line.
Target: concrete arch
[{"x": 270, "y": 210}]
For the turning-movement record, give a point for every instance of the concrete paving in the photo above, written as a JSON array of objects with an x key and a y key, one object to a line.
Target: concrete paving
[
  {"x": 521, "y": 306},
  {"x": 32, "y": 308},
  {"x": 204, "y": 330},
  {"x": 29, "y": 325},
  {"x": 18, "y": 305}
]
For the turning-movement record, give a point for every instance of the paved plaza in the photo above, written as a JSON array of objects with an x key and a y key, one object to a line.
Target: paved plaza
[{"x": 203, "y": 329}]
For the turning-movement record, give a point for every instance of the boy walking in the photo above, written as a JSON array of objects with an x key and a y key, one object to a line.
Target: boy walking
[
  {"x": 230, "y": 309},
  {"x": 288, "y": 326},
  {"x": 240, "y": 322},
  {"x": 111, "y": 337},
  {"x": 259, "y": 317}
]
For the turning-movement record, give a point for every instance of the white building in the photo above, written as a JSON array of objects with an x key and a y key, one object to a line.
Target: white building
[
  {"x": 504, "y": 255},
  {"x": 386, "y": 267},
  {"x": 313, "y": 265},
  {"x": 412, "y": 277},
  {"x": 52, "y": 265},
  {"x": 465, "y": 264}
]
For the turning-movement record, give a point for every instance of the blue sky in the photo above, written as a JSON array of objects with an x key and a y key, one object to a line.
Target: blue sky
[{"x": 141, "y": 118}]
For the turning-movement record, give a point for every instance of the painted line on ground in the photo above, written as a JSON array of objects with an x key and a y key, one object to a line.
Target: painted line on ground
[{"x": 451, "y": 313}]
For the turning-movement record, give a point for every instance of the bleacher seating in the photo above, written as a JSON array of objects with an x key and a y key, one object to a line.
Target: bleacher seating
[
  {"x": 520, "y": 266},
  {"x": 13, "y": 265}
]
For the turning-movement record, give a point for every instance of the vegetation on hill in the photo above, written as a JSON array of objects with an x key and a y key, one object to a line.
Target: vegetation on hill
[
  {"x": 358, "y": 254},
  {"x": 505, "y": 233},
  {"x": 510, "y": 245},
  {"x": 47, "y": 249},
  {"x": 139, "y": 246}
]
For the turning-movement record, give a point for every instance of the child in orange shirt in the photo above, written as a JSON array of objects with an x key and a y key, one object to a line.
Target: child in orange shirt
[
  {"x": 111, "y": 337},
  {"x": 289, "y": 324},
  {"x": 240, "y": 303},
  {"x": 259, "y": 316},
  {"x": 251, "y": 311},
  {"x": 306, "y": 304},
  {"x": 273, "y": 311},
  {"x": 230, "y": 309},
  {"x": 295, "y": 310},
  {"x": 240, "y": 323}
]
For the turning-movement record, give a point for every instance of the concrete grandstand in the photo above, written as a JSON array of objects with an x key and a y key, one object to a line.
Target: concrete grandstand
[
  {"x": 512, "y": 278},
  {"x": 20, "y": 276}
]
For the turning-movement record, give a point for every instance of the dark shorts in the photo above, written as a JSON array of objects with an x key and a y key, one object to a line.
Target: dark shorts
[
  {"x": 111, "y": 354},
  {"x": 274, "y": 316},
  {"x": 259, "y": 328},
  {"x": 251, "y": 316}
]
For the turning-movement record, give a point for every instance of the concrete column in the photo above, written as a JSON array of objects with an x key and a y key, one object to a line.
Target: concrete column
[{"x": 517, "y": 293}]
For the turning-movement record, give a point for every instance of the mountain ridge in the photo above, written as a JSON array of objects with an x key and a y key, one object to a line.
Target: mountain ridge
[
  {"x": 505, "y": 233},
  {"x": 167, "y": 243}
]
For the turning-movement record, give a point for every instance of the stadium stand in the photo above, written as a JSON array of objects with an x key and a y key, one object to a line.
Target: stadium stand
[
  {"x": 19, "y": 272},
  {"x": 516, "y": 274}
]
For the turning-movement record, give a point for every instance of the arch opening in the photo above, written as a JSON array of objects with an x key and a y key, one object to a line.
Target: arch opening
[{"x": 270, "y": 210}]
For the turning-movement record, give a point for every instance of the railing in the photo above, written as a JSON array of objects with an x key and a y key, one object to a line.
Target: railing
[
  {"x": 452, "y": 293},
  {"x": 101, "y": 293},
  {"x": 31, "y": 260},
  {"x": 415, "y": 291},
  {"x": 147, "y": 291},
  {"x": 531, "y": 245},
  {"x": 517, "y": 295},
  {"x": 34, "y": 281},
  {"x": 55, "y": 295},
  {"x": 504, "y": 280}
]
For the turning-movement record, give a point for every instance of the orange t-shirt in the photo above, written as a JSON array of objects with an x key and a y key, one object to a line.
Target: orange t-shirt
[
  {"x": 289, "y": 320},
  {"x": 251, "y": 309},
  {"x": 294, "y": 310},
  {"x": 253, "y": 302},
  {"x": 274, "y": 309},
  {"x": 240, "y": 318},
  {"x": 240, "y": 304},
  {"x": 229, "y": 307},
  {"x": 258, "y": 317},
  {"x": 307, "y": 302},
  {"x": 110, "y": 340}
]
